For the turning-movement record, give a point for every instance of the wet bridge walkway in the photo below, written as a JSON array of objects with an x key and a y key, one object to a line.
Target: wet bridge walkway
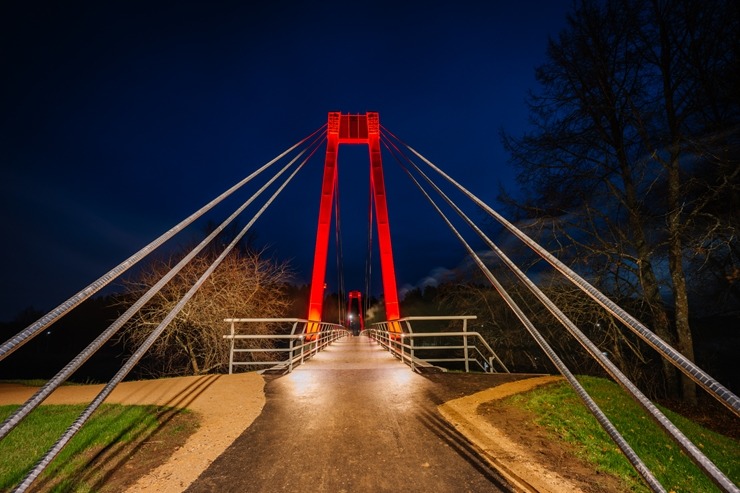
[{"x": 353, "y": 419}]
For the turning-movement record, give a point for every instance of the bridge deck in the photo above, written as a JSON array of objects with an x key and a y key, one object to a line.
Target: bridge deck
[{"x": 352, "y": 419}]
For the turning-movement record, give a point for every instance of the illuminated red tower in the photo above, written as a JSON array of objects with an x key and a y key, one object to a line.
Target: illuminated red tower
[
  {"x": 354, "y": 311},
  {"x": 353, "y": 129}
]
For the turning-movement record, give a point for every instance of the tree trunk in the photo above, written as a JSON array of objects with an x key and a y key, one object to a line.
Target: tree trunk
[
  {"x": 188, "y": 347},
  {"x": 684, "y": 342},
  {"x": 648, "y": 280}
]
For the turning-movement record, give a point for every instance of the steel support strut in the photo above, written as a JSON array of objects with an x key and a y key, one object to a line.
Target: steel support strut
[
  {"x": 352, "y": 129},
  {"x": 377, "y": 183},
  {"x": 328, "y": 185}
]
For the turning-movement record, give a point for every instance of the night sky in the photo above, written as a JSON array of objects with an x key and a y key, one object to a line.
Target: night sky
[{"x": 119, "y": 119}]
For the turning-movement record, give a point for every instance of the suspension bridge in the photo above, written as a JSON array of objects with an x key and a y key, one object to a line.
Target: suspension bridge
[{"x": 334, "y": 380}]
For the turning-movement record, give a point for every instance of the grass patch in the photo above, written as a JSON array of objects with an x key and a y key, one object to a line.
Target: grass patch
[
  {"x": 561, "y": 412},
  {"x": 113, "y": 434}
]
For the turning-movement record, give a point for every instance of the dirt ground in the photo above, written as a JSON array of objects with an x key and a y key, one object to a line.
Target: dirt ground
[
  {"x": 508, "y": 438},
  {"x": 533, "y": 461}
]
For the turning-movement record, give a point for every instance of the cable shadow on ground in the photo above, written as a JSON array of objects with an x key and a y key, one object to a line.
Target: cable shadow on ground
[
  {"x": 460, "y": 445},
  {"x": 116, "y": 455}
]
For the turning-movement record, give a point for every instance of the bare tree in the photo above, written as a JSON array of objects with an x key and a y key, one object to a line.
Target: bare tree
[
  {"x": 496, "y": 323},
  {"x": 627, "y": 122},
  {"x": 243, "y": 285}
]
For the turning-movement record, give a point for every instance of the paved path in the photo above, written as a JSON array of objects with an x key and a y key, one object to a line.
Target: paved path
[{"x": 353, "y": 419}]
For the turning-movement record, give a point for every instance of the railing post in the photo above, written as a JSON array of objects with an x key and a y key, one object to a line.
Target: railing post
[
  {"x": 292, "y": 347},
  {"x": 465, "y": 345},
  {"x": 327, "y": 335},
  {"x": 410, "y": 331},
  {"x": 392, "y": 341},
  {"x": 401, "y": 344},
  {"x": 231, "y": 349},
  {"x": 303, "y": 341}
]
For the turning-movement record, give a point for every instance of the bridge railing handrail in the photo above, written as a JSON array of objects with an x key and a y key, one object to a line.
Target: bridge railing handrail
[
  {"x": 408, "y": 352},
  {"x": 309, "y": 344},
  {"x": 394, "y": 341}
]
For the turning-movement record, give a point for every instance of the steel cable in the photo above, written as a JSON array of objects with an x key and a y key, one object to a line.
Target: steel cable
[
  {"x": 686, "y": 445},
  {"x": 592, "y": 406},
  {"x": 126, "y": 368},
  {"x": 369, "y": 252},
  {"x": 340, "y": 252},
  {"x": 9, "y": 346},
  {"x": 19, "y": 414},
  {"x": 717, "y": 390}
]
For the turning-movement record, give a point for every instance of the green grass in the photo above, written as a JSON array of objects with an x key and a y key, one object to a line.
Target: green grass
[
  {"x": 561, "y": 411},
  {"x": 110, "y": 429}
]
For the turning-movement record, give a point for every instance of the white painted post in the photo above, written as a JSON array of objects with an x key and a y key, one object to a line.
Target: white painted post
[
  {"x": 411, "y": 333},
  {"x": 231, "y": 350},
  {"x": 465, "y": 344},
  {"x": 292, "y": 347}
]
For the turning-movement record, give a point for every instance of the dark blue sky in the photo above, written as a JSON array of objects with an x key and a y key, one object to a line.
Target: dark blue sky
[{"x": 118, "y": 119}]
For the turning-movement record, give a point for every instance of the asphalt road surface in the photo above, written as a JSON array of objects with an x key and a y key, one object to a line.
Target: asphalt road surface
[{"x": 352, "y": 419}]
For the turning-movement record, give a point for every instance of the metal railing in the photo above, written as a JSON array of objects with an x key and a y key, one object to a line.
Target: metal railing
[
  {"x": 404, "y": 346},
  {"x": 299, "y": 346}
]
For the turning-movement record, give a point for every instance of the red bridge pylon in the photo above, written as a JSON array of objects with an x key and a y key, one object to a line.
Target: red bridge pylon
[{"x": 353, "y": 129}]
